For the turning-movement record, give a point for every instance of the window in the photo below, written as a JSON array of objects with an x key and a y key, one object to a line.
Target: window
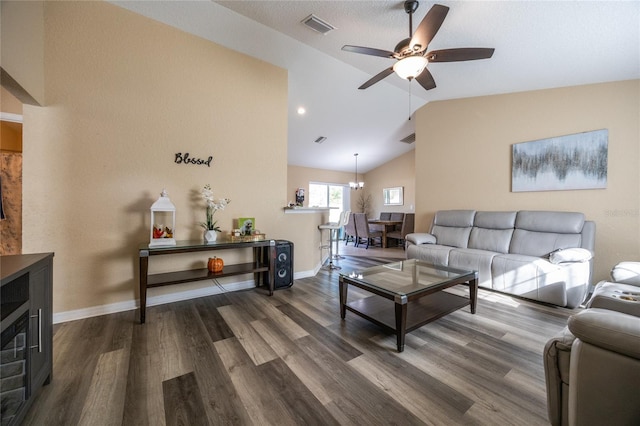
[{"x": 329, "y": 195}]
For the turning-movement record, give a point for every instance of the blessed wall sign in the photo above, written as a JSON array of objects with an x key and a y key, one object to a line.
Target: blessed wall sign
[{"x": 186, "y": 159}]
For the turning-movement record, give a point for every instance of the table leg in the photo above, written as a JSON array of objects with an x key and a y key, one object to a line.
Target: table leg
[
  {"x": 473, "y": 294},
  {"x": 343, "y": 298},
  {"x": 144, "y": 269},
  {"x": 384, "y": 236},
  {"x": 401, "y": 324}
]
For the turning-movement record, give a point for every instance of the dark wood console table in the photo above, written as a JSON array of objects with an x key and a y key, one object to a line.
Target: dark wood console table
[{"x": 264, "y": 255}]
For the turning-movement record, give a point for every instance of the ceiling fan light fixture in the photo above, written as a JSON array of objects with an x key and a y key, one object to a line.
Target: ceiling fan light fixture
[{"x": 410, "y": 67}]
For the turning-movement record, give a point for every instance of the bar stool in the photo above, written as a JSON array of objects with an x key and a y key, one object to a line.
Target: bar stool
[
  {"x": 333, "y": 228},
  {"x": 344, "y": 221}
]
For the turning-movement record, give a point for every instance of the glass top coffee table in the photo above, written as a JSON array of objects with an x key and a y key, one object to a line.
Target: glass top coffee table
[{"x": 416, "y": 289}]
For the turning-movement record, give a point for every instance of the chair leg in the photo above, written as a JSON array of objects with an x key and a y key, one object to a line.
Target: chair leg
[
  {"x": 337, "y": 255},
  {"x": 331, "y": 266}
]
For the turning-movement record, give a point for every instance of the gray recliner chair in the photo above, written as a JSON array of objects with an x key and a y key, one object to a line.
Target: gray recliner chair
[
  {"x": 622, "y": 294},
  {"x": 592, "y": 368}
]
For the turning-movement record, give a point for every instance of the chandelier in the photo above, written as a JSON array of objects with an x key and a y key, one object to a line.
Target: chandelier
[{"x": 356, "y": 185}]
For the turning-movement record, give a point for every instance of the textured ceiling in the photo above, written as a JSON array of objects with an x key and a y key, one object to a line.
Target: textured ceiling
[{"x": 539, "y": 44}]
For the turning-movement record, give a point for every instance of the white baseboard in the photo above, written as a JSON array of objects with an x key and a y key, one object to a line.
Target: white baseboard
[{"x": 130, "y": 305}]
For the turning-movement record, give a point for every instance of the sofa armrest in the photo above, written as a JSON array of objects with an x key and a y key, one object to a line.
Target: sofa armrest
[
  {"x": 626, "y": 273},
  {"x": 556, "y": 357},
  {"x": 570, "y": 255},
  {"x": 610, "y": 330},
  {"x": 420, "y": 238}
]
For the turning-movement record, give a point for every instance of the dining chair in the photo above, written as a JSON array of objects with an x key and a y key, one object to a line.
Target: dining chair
[
  {"x": 397, "y": 217},
  {"x": 364, "y": 233},
  {"x": 406, "y": 228},
  {"x": 350, "y": 233}
]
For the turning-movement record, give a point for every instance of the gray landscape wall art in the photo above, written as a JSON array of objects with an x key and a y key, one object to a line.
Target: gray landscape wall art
[{"x": 577, "y": 161}]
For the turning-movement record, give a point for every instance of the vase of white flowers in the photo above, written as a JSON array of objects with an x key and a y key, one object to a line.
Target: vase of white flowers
[{"x": 211, "y": 226}]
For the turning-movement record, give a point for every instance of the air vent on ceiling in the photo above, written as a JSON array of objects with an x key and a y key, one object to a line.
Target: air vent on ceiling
[
  {"x": 317, "y": 24},
  {"x": 409, "y": 139},
  {"x": 320, "y": 139}
]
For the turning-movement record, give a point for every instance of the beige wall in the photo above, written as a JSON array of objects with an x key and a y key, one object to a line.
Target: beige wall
[
  {"x": 463, "y": 150},
  {"x": 22, "y": 35},
  {"x": 123, "y": 95},
  {"x": 9, "y": 103},
  {"x": 400, "y": 171}
]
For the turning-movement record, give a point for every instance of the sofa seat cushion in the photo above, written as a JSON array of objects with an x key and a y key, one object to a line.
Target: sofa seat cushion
[
  {"x": 431, "y": 253},
  {"x": 474, "y": 260},
  {"x": 529, "y": 276}
]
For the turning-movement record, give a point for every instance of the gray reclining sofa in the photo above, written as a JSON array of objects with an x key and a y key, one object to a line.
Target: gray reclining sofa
[{"x": 539, "y": 255}]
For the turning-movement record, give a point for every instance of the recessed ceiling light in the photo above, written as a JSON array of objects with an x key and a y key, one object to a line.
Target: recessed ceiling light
[{"x": 301, "y": 110}]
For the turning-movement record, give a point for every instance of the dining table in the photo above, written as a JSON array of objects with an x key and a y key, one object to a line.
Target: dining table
[{"x": 387, "y": 226}]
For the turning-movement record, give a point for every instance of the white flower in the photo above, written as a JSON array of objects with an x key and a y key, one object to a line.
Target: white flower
[{"x": 213, "y": 205}]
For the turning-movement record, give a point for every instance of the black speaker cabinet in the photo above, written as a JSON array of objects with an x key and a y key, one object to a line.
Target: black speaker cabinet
[{"x": 284, "y": 265}]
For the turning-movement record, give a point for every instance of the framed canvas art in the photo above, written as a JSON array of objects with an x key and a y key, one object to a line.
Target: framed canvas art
[{"x": 577, "y": 161}]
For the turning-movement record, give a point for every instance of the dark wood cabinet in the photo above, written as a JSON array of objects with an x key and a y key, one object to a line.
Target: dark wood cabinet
[
  {"x": 41, "y": 324},
  {"x": 26, "y": 292}
]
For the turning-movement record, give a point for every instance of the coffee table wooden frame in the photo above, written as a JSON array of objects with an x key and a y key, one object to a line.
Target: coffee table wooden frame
[{"x": 411, "y": 311}]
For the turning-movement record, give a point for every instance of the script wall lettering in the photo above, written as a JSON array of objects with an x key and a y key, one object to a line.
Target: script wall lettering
[{"x": 185, "y": 159}]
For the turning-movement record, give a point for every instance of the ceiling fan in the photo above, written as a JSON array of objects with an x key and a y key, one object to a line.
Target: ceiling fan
[{"x": 411, "y": 53}]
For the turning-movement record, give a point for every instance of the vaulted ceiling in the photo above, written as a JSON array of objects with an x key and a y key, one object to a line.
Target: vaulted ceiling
[{"x": 538, "y": 45}]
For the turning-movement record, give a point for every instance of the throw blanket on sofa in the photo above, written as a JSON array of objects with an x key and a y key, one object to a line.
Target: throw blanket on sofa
[{"x": 540, "y": 255}]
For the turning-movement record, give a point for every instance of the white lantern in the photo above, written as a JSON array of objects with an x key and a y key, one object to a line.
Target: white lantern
[{"x": 163, "y": 222}]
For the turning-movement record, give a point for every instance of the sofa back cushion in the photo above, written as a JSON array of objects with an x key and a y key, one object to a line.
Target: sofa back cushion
[
  {"x": 558, "y": 222},
  {"x": 492, "y": 231},
  {"x": 452, "y": 227},
  {"x": 538, "y": 233}
]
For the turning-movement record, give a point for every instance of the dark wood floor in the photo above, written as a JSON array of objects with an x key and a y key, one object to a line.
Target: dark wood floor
[{"x": 247, "y": 358}]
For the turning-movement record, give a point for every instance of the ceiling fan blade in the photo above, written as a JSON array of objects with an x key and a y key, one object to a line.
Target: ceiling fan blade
[
  {"x": 426, "y": 80},
  {"x": 428, "y": 27},
  {"x": 369, "y": 51},
  {"x": 376, "y": 78},
  {"x": 462, "y": 54}
]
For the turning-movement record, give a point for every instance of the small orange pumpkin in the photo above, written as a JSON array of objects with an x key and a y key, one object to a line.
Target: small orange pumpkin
[{"x": 215, "y": 264}]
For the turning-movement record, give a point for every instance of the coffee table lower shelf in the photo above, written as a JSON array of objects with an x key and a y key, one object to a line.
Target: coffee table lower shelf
[{"x": 422, "y": 311}]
